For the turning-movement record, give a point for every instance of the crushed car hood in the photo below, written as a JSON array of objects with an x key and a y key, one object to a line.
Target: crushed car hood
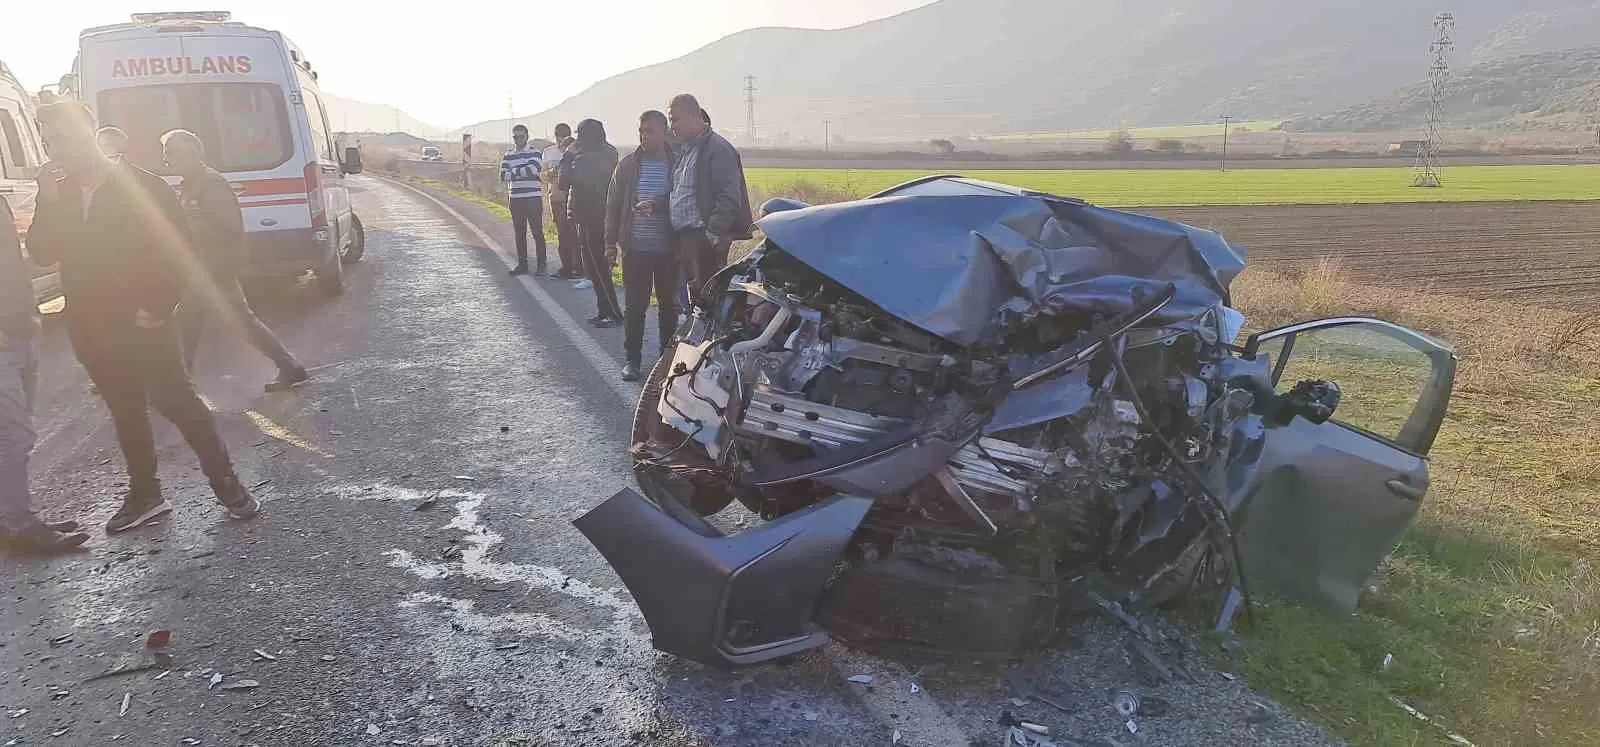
[{"x": 974, "y": 254}]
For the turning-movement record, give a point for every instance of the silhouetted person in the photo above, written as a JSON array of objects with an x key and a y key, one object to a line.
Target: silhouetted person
[
  {"x": 216, "y": 225},
  {"x": 21, "y": 532},
  {"x": 586, "y": 175},
  {"x": 123, "y": 244},
  {"x": 113, "y": 140},
  {"x": 520, "y": 169},
  {"x": 639, "y": 228},
  {"x": 709, "y": 205}
]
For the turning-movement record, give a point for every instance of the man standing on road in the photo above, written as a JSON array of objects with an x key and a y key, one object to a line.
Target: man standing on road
[
  {"x": 217, "y": 227},
  {"x": 566, "y": 240},
  {"x": 20, "y": 530},
  {"x": 639, "y": 228},
  {"x": 520, "y": 169},
  {"x": 709, "y": 204},
  {"x": 586, "y": 175},
  {"x": 113, "y": 140},
  {"x": 122, "y": 241}
]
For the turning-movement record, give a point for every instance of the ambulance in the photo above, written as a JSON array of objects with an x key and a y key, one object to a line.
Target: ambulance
[
  {"x": 21, "y": 154},
  {"x": 252, "y": 97}
]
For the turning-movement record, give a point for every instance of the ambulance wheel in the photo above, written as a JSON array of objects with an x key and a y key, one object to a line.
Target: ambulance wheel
[
  {"x": 358, "y": 242},
  {"x": 330, "y": 278}
]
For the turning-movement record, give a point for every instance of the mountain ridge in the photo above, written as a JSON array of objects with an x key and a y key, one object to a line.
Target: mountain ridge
[{"x": 961, "y": 67}]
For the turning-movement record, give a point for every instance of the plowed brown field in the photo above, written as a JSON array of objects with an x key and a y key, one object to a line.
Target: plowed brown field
[{"x": 1544, "y": 253}]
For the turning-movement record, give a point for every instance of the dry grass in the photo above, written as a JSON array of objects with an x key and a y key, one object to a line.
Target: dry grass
[{"x": 1491, "y": 604}]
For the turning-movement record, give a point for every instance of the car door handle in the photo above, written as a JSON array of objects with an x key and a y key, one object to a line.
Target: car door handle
[{"x": 1405, "y": 489}]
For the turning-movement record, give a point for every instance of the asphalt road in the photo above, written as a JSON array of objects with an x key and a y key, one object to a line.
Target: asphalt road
[{"x": 415, "y": 578}]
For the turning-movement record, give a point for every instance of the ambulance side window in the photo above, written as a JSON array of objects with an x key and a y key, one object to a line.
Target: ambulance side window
[
  {"x": 319, "y": 125},
  {"x": 16, "y": 157}
]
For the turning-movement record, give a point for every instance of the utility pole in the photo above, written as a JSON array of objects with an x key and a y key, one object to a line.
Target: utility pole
[
  {"x": 1226, "y": 120},
  {"x": 750, "y": 108},
  {"x": 825, "y": 143},
  {"x": 1427, "y": 167}
]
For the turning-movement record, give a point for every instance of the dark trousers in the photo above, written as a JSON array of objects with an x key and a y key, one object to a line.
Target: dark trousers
[
  {"x": 526, "y": 213},
  {"x": 224, "y": 301},
  {"x": 566, "y": 239},
  {"x": 699, "y": 259},
  {"x": 136, "y": 368},
  {"x": 641, "y": 273},
  {"x": 592, "y": 236}
]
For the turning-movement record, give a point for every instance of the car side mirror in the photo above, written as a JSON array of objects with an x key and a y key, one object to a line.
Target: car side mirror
[
  {"x": 780, "y": 205},
  {"x": 1315, "y": 400},
  {"x": 352, "y": 160}
]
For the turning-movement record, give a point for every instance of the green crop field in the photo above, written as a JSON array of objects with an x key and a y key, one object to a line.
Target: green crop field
[
  {"x": 1209, "y": 129},
  {"x": 1173, "y": 187}
]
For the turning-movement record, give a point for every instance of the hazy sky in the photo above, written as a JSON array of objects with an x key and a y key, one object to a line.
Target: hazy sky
[{"x": 449, "y": 64}]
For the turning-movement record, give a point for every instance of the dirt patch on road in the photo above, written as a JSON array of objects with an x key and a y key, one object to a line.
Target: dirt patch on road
[{"x": 1539, "y": 253}]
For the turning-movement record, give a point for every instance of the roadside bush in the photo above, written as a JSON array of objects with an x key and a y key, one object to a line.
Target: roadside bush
[{"x": 1119, "y": 143}]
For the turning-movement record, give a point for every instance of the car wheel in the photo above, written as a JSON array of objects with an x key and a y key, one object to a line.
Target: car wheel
[
  {"x": 358, "y": 242},
  {"x": 330, "y": 278},
  {"x": 701, "y": 493}
]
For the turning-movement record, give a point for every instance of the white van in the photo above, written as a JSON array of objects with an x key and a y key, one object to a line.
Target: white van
[
  {"x": 252, "y": 97},
  {"x": 20, "y": 156}
]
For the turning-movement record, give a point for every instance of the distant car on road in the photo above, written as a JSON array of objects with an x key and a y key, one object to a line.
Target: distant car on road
[
  {"x": 20, "y": 157},
  {"x": 432, "y": 153}
]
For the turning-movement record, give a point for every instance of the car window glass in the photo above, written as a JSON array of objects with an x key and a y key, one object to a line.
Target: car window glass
[
  {"x": 1381, "y": 378},
  {"x": 319, "y": 125},
  {"x": 16, "y": 158}
]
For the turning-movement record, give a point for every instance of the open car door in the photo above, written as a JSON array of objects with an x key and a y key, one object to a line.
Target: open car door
[{"x": 1330, "y": 500}]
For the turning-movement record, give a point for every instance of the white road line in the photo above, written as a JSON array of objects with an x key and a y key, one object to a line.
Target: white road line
[
  {"x": 610, "y": 370},
  {"x": 933, "y": 725}
]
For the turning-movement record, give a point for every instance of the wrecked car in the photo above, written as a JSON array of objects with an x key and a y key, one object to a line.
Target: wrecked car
[{"x": 965, "y": 411}]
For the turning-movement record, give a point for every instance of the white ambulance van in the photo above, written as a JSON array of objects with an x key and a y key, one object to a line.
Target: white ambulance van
[
  {"x": 21, "y": 153},
  {"x": 252, "y": 97}
]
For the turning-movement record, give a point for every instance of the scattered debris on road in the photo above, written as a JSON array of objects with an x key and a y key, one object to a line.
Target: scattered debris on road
[
  {"x": 127, "y": 699},
  {"x": 216, "y": 679},
  {"x": 861, "y": 679},
  {"x": 263, "y": 655},
  {"x": 241, "y": 685}
]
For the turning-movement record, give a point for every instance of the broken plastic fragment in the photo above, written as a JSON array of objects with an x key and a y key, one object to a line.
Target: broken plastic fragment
[
  {"x": 1133, "y": 726},
  {"x": 265, "y": 655},
  {"x": 216, "y": 679},
  {"x": 241, "y": 685},
  {"x": 158, "y": 639},
  {"x": 915, "y": 688},
  {"x": 1035, "y": 728},
  {"x": 1388, "y": 661},
  {"x": 127, "y": 700},
  {"x": 861, "y": 679},
  {"x": 1126, "y": 703},
  {"x": 373, "y": 730}
]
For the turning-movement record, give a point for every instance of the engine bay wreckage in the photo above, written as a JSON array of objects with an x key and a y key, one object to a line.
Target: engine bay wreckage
[{"x": 966, "y": 411}]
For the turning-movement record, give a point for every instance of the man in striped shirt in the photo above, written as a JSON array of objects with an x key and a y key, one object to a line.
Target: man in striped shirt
[
  {"x": 520, "y": 169},
  {"x": 639, "y": 228}
]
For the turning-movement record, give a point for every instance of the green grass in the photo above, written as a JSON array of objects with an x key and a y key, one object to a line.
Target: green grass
[
  {"x": 1175, "y": 132},
  {"x": 1172, "y": 187},
  {"x": 1491, "y": 603}
]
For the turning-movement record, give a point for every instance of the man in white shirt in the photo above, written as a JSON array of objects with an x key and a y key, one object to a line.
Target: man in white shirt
[{"x": 566, "y": 239}]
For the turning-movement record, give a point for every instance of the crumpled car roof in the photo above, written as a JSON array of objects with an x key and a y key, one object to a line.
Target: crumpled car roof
[{"x": 949, "y": 254}]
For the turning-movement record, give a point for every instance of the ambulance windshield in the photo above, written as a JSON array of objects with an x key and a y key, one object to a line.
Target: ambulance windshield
[{"x": 243, "y": 125}]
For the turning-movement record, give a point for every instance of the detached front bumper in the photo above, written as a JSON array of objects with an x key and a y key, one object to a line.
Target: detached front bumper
[{"x": 724, "y": 600}]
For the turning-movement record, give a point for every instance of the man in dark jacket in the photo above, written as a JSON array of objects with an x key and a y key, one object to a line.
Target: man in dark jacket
[
  {"x": 586, "y": 176},
  {"x": 20, "y": 530},
  {"x": 709, "y": 203},
  {"x": 217, "y": 226},
  {"x": 639, "y": 228},
  {"x": 123, "y": 244}
]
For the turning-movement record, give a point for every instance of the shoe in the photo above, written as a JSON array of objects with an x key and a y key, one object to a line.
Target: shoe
[
  {"x": 630, "y": 372},
  {"x": 582, "y": 284},
  {"x": 520, "y": 269},
  {"x": 540, "y": 271},
  {"x": 566, "y": 274},
  {"x": 138, "y": 509},
  {"x": 604, "y": 322},
  {"x": 41, "y": 539},
  {"x": 237, "y": 500},
  {"x": 288, "y": 380}
]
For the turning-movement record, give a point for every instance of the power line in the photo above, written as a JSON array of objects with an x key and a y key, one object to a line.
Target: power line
[
  {"x": 1427, "y": 168},
  {"x": 750, "y": 108}
]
